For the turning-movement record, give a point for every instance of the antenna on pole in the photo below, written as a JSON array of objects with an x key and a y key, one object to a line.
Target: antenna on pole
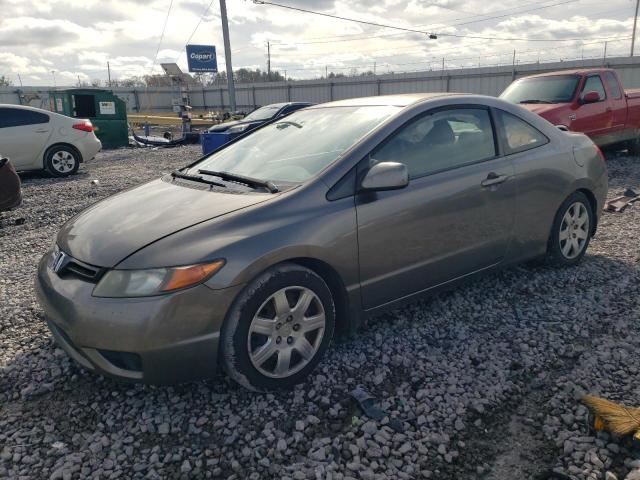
[{"x": 227, "y": 55}]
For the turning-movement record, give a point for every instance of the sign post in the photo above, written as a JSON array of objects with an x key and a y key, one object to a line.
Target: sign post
[{"x": 227, "y": 55}]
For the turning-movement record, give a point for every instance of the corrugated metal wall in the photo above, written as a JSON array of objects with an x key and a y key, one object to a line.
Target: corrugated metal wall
[{"x": 487, "y": 81}]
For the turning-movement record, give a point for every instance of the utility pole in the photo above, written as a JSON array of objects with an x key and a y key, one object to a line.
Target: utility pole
[
  {"x": 227, "y": 55},
  {"x": 604, "y": 57},
  {"x": 443, "y": 64},
  {"x": 326, "y": 72},
  {"x": 20, "y": 80},
  {"x": 635, "y": 21},
  {"x": 268, "y": 60},
  {"x": 53, "y": 72},
  {"x": 374, "y": 68},
  {"x": 513, "y": 63},
  {"x": 109, "y": 73},
  {"x": 79, "y": 83}
]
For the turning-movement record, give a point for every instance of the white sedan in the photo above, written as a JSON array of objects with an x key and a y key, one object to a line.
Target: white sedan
[{"x": 36, "y": 139}]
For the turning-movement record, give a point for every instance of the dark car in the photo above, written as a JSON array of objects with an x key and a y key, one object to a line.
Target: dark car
[
  {"x": 250, "y": 258},
  {"x": 10, "y": 190},
  {"x": 259, "y": 117}
]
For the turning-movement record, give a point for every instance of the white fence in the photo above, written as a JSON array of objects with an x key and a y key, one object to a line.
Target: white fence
[{"x": 487, "y": 81}]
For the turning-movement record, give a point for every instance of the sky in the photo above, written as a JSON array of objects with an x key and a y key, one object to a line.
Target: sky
[{"x": 69, "y": 40}]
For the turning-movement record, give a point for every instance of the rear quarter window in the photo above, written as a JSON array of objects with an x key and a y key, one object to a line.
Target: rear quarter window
[
  {"x": 518, "y": 135},
  {"x": 17, "y": 117}
]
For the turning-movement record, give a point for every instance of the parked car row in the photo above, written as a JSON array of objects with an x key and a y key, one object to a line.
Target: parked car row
[{"x": 308, "y": 225}]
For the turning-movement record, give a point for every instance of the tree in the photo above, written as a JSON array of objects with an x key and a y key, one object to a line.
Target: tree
[{"x": 5, "y": 81}]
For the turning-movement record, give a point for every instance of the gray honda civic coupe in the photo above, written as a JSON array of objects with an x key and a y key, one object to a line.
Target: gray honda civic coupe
[{"x": 252, "y": 258}]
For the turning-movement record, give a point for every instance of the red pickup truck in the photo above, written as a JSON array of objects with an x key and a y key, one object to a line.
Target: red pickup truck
[{"x": 589, "y": 101}]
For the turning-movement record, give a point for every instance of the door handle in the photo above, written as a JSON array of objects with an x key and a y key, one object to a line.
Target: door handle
[
  {"x": 493, "y": 179},
  {"x": 42, "y": 131}
]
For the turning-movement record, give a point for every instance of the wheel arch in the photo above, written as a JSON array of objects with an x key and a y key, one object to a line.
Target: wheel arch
[
  {"x": 593, "y": 203},
  {"x": 338, "y": 291}
]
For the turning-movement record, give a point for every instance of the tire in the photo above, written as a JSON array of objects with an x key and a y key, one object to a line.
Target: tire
[
  {"x": 633, "y": 146},
  {"x": 259, "y": 335},
  {"x": 61, "y": 161},
  {"x": 571, "y": 231}
]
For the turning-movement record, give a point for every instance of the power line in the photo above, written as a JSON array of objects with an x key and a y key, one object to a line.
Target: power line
[
  {"x": 424, "y": 32},
  {"x": 166, "y": 19},
  {"x": 199, "y": 22}
]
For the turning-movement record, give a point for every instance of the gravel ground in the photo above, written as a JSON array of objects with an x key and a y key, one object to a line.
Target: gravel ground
[{"x": 485, "y": 379}]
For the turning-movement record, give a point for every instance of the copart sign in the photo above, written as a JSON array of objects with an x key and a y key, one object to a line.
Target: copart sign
[{"x": 202, "y": 58}]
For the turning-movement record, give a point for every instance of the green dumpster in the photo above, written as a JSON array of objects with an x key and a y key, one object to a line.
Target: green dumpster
[{"x": 107, "y": 112}]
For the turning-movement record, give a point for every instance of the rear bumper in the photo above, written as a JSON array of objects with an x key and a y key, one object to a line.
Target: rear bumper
[
  {"x": 166, "y": 339},
  {"x": 89, "y": 147}
]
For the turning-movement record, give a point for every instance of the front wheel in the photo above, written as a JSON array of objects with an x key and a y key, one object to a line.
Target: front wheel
[
  {"x": 61, "y": 161},
  {"x": 571, "y": 231},
  {"x": 278, "y": 329}
]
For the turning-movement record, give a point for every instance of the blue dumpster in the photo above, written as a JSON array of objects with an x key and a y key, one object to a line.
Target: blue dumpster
[{"x": 211, "y": 141}]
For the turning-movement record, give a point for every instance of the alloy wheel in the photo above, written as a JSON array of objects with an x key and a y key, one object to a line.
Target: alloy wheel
[
  {"x": 574, "y": 230},
  {"x": 63, "y": 161},
  {"x": 286, "y": 332}
]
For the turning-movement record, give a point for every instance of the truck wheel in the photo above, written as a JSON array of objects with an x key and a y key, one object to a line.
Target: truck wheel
[
  {"x": 633, "y": 146},
  {"x": 61, "y": 161}
]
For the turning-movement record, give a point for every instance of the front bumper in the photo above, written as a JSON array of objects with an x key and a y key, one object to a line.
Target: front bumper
[{"x": 165, "y": 339}]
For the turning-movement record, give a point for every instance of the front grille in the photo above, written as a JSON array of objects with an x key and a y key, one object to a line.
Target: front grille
[
  {"x": 66, "y": 266},
  {"x": 82, "y": 270}
]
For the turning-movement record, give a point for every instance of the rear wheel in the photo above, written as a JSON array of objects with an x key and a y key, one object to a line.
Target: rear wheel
[
  {"x": 571, "y": 231},
  {"x": 278, "y": 328},
  {"x": 61, "y": 161}
]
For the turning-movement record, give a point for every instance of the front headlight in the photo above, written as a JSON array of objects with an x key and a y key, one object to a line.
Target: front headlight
[
  {"x": 155, "y": 281},
  {"x": 238, "y": 129}
]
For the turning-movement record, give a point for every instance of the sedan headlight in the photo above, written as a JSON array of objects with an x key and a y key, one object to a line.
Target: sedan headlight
[
  {"x": 155, "y": 281},
  {"x": 238, "y": 129}
]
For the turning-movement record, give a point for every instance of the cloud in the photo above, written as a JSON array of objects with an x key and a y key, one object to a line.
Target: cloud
[{"x": 78, "y": 38}]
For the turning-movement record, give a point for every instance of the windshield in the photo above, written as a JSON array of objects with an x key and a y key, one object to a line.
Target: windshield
[
  {"x": 552, "y": 89},
  {"x": 299, "y": 146},
  {"x": 262, "y": 113}
]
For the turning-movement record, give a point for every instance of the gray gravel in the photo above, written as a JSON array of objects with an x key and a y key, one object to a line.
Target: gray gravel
[{"x": 484, "y": 378}]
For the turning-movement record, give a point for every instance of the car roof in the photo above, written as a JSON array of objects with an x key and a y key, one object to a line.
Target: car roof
[
  {"x": 575, "y": 71},
  {"x": 401, "y": 100},
  {"x": 23, "y": 107}
]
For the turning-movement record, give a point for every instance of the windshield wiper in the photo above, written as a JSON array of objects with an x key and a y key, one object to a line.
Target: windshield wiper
[
  {"x": 535, "y": 101},
  {"x": 195, "y": 178},
  {"x": 252, "y": 182}
]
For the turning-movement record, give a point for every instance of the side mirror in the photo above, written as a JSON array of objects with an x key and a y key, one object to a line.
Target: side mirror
[
  {"x": 386, "y": 176},
  {"x": 591, "y": 97}
]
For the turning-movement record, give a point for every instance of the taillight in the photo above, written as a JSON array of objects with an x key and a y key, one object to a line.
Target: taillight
[{"x": 85, "y": 126}]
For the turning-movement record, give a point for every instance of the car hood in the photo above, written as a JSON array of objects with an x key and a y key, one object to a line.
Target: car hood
[
  {"x": 109, "y": 231},
  {"x": 541, "y": 108}
]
